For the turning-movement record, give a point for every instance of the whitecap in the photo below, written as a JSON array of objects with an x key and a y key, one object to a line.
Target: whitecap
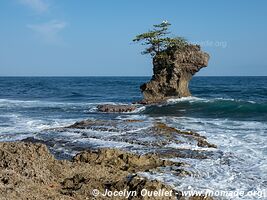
[{"x": 183, "y": 99}]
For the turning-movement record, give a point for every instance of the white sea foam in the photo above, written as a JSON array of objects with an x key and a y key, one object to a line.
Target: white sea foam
[
  {"x": 19, "y": 127},
  {"x": 188, "y": 146},
  {"x": 190, "y": 99},
  {"x": 9, "y": 103},
  {"x": 103, "y": 143},
  {"x": 242, "y": 166},
  {"x": 231, "y": 99},
  {"x": 133, "y": 117},
  {"x": 193, "y": 99},
  {"x": 139, "y": 109}
]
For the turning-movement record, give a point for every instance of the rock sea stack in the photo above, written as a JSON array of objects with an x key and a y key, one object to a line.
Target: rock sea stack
[{"x": 172, "y": 71}]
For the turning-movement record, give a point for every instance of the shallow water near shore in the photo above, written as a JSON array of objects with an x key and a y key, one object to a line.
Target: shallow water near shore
[{"x": 230, "y": 111}]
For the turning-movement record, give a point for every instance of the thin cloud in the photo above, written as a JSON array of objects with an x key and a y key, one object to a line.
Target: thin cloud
[
  {"x": 49, "y": 31},
  {"x": 39, "y": 6}
]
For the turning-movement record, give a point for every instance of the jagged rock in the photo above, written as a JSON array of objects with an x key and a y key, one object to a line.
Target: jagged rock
[
  {"x": 172, "y": 72},
  {"x": 29, "y": 171},
  {"x": 158, "y": 128},
  {"x": 116, "y": 108},
  {"x": 161, "y": 128},
  {"x": 122, "y": 160}
]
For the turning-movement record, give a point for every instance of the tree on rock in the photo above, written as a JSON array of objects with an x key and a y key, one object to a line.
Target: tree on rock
[
  {"x": 174, "y": 60},
  {"x": 157, "y": 40}
]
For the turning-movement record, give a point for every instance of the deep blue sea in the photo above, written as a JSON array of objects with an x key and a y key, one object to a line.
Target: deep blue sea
[{"x": 230, "y": 111}]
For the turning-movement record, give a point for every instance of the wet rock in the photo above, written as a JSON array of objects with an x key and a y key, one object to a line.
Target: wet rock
[
  {"x": 172, "y": 71},
  {"x": 133, "y": 120},
  {"x": 159, "y": 129},
  {"x": 159, "y": 138},
  {"x": 184, "y": 153},
  {"x": 97, "y": 125},
  {"x": 85, "y": 124},
  {"x": 116, "y": 108},
  {"x": 162, "y": 128}
]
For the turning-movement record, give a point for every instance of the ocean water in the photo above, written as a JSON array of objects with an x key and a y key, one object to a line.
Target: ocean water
[{"x": 230, "y": 111}]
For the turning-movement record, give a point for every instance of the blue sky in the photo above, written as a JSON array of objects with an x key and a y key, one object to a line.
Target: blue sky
[{"x": 93, "y": 37}]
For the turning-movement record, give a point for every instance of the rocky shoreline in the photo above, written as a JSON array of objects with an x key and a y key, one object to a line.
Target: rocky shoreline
[{"x": 29, "y": 171}]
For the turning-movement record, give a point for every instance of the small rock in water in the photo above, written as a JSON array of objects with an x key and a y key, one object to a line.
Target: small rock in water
[{"x": 116, "y": 108}]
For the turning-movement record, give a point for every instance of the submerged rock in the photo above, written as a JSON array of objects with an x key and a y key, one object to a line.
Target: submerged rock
[
  {"x": 157, "y": 137},
  {"x": 172, "y": 72},
  {"x": 160, "y": 134},
  {"x": 116, "y": 108}
]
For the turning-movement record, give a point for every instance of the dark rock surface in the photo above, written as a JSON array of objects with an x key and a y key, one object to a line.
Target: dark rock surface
[
  {"x": 116, "y": 108},
  {"x": 172, "y": 72}
]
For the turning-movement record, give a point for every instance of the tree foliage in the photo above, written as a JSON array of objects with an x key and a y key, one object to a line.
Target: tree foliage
[{"x": 157, "y": 40}]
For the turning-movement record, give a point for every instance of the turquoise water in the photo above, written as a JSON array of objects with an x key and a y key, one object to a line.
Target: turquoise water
[{"x": 230, "y": 111}]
